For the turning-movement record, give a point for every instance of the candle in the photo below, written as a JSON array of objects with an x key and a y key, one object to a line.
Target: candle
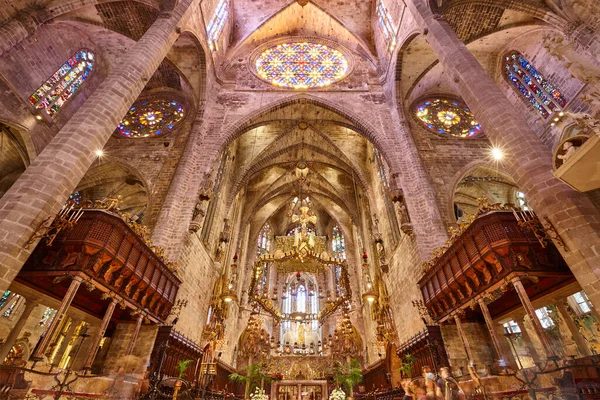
[{"x": 516, "y": 216}]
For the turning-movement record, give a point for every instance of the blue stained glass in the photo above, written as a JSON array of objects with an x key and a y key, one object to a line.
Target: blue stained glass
[
  {"x": 217, "y": 23},
  {"x": 447, "y": 117},
  {"x": 63, "y": 84},
  {"x": 532, "y": 85},
  {"x": 301, "y": 65},
  {"x": 387, "y": 27},
  {"x": 149, "y": 118}
]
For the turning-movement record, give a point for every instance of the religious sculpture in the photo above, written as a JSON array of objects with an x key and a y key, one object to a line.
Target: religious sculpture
[
  {"x": 379, "y": 245},
  {"x": 204, "y": 196},
  {"x": 397, "y": 197},
  {"x": 303, "y": 241},
  {"x": 570, "y": 150}
]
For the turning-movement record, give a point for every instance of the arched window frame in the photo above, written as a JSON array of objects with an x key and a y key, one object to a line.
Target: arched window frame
[
  {"x": 263, "y": 244},
  {"x": 386, "y": 24},
  {"x": 216, "y": 24},
  {"x": 533, "y": 86},
  {"x": 338, "y": 243},
  {"x": 59, "y": 88}
]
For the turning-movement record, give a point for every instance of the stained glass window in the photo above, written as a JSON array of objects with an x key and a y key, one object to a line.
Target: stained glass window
[
  {"x": 264, "y": 242},
  {"x": 532, "y": 85},
  {"x": 301, "y": 65},
  {"x": 48, "y": 316},
  {"x": 217, "y": 23},
  {"x": 447, "y": 117},
  {"x": 74, "y": 199},
  {"x": 387, "y": 27},
  {"x": 63, "y": 84},
  {"x": 151, "y": 118},
  {"x": 338, "y": 244},
  {"x": 381, "y": 168}
]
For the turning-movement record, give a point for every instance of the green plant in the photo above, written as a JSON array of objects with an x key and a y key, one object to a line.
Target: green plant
[
  {"x": 406, "y": 366},
  {"x": 253, "y": 378},
  {"x": 182, "y": 366},
  {"x": 348, "y": 375}
]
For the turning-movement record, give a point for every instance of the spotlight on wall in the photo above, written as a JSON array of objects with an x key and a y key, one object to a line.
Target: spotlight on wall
[
  {"x": 497, "y": 153},
  {"x": 38, "y": 117},
  {"x": 99, "y": 153}
]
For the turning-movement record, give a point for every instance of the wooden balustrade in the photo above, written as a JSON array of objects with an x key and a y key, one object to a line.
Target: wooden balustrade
[
  {"x": 108, "y": 254},
  {"x": 171, "y": 347},
  {"x": 482, "y": 260},
  {"x": 427, "y": 349}
]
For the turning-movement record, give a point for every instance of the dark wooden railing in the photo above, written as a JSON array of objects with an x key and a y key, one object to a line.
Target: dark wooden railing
[
  {"x": 493, "y": 249},
  {"x": 101, "y": 246},
  {"x": 426, "y": 349},
  {"x": 171, "y": 347}
]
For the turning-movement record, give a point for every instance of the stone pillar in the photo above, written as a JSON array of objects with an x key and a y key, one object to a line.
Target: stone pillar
[
  {"x": 527, "y": 159},
  {"x": 193, "y": 172},
  {"x": 464, "y": 339},
  {"x": 44, "y": 187},
  {"x": 409, "y": 173},
  {"x": 507, "y": 348},
  {"x": 561, "y": 305},
  {"x": 527, "y": 339},
  {"x": 58, "y": 318},
  {"x": 99, "y": 334},
  {"x": 585, "y": 41},
  {"x": 135, "y": 334},
  {"x": 16, "y": 330},
  {"x": 539, "y": 330},
  {"x": 19, "y": 28},
  {"x": 490, "y": 325}
]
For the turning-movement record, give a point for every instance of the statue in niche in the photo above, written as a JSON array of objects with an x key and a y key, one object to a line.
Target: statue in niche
[
  {"x": 223, "y": 240},
  {"x": 301, "y": 333},
  {"x": 204, "y": 195},
  {"x": 379, "y": 245},
  {"x": 397, "y": 197},
  {"x": 570, "y": 150}
]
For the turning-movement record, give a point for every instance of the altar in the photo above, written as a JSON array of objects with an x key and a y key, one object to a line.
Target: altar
[{"x": 299, "y": 390}]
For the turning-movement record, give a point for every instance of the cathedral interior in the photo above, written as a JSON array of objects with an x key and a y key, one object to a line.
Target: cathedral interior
[{"x": 300, "y": 199}]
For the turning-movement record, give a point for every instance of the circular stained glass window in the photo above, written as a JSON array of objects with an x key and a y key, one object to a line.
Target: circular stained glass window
[
  {"x": 149, "y": 118},
  {"x": 447, "y": 117},
  {"x": 301, "y": 65}
]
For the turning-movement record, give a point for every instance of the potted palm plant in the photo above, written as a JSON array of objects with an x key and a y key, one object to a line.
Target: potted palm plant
[
  {"x": 253, "y": 378},
  {"x": 182, "y": 366},
  {"x": 348, "y": 375}
]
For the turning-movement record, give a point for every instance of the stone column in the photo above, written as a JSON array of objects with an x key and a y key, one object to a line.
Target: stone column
[
  {"x": 507, "y": 348},
  {"x": 44, "y": 187},
  {"x": 58, "y": 318},
  {"x": 135, "y": 334},
  {"x": 539, "y": 329},
  {"x": 527, "y": 159},
  {"x": 16, "y": 330},
  {"x": 408, "y": 172},
  {"x": 527, "y": 339},
  {"x": 585, "y": 41},
  {"x": 464, "y": 338},
  {"x": 193, "y": 172},
  {"x": 100, "y": 334},
  {"x": 18, "y": 29},
  {"x": 490, "y": 325},
  {"x": 584, "y": 349}
]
